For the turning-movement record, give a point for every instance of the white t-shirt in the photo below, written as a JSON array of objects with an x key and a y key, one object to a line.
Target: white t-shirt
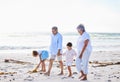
[
  {"x": 69, "y": 55},
  {"x": 43, "y": 54},
  {"x": 80, "y": 42},
  {"x": 39, "y": 52}
]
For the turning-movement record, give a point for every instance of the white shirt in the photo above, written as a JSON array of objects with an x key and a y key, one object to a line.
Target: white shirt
[
  {"x": 43, "y": 54},
  {"x": 39, "y": 52},
  {"x": 69, "y": 55},
  {"x": 56, "y": 44},
  {"x": 81, "y": 40}
]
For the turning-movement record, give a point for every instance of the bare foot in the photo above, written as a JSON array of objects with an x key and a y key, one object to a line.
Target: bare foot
[
  {"x": 47, "y": 74},
  {"x": 60, "y": 73},
  {"x": 43, "y": 70},
  {"x": 80, "y": 76},
  {"x": 70, "y": 75},
  {"x": 84, "y": 78}
]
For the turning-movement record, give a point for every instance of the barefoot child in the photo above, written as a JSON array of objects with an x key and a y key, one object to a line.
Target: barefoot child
[
  {"x": 69, "y": 55},
  {"x": 43, "y": 55}
]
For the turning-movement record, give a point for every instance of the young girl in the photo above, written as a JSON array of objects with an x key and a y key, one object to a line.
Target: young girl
[
  {"x": 69, "y": 55},
  {"x": 43, "y": 55}
]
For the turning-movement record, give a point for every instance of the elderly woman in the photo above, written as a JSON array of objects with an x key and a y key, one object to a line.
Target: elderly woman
[{"x": 84, "y": 49}]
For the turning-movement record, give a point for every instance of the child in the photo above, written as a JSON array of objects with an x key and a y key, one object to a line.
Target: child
[
  {"x": 69, "y": 54},
  {"x": 43, "y": 55}
]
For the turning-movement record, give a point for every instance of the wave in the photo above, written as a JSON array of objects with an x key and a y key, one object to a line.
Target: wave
[{"x": 19, "y": 47}]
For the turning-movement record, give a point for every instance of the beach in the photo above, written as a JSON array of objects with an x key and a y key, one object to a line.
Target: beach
[
  {"x": 16, "y": 58},
  {"x": 49, "y": 25},
  {"x": 19, "y": 71}
]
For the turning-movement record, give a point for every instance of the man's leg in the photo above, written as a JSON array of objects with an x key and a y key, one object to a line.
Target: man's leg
[
  {"x": 81, "y": 75},
  {"x": 49, "y": 67},
  {"x": 61, "y": 66},
  {"x": 59, "y": 58}
]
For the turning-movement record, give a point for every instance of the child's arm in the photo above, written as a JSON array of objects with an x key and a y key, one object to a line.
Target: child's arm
[
  {"x": 64, "y": 53},
  {"x": 37, "y": 66}
]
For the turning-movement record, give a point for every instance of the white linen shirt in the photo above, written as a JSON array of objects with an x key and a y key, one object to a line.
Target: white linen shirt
[
  {"x": 80, "y": 43},
  {"x": 69, "y": 55},
  {"x": 56, "y": 44}
]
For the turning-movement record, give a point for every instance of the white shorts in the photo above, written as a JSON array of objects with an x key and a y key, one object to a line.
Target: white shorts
[
  {"x": 68, "y": 63},
  {"x": 59, "y": 58}
]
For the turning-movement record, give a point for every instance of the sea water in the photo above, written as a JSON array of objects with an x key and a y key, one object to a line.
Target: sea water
[{"x": 25, "y": 41}]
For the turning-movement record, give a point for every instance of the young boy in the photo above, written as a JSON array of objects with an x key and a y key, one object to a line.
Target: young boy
[
  {"x": 69, "y": 55},
  {"x": 43, "y": 55}
]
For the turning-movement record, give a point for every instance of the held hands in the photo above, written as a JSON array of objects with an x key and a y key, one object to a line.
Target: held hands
[{"x": 58, "y": 54}]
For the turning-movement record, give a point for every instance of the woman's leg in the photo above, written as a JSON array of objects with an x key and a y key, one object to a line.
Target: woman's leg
[
  {"x": 78, "y": 64},
  {"x": 85, "y": 61}
]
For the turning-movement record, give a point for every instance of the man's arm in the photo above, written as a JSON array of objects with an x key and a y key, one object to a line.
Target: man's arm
[{"x": 59, "y": 45}]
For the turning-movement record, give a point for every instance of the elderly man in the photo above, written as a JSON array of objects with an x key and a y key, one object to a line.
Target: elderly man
[
  {"x": 84, "y": 49},
  {"x": 55, "y": 50}
]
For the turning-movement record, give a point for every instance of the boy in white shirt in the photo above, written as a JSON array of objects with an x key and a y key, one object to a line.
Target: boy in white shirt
[{"x": 69, "y": 55}]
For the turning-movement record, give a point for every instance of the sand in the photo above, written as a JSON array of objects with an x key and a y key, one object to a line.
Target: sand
[{"x": 104, "y": 66}]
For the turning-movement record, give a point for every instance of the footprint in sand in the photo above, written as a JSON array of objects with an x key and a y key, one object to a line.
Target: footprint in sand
[
  {"x": 29, "y": 78},
  {"x": 67, "y": 77}
]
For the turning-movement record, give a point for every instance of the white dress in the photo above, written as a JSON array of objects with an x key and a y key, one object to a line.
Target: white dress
[{"x": 82, "y": 64}]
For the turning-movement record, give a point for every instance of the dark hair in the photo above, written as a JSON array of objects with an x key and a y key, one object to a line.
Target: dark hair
[
  {"x": 69, "y": 44},
  {"x": 55, "y": 28},
  {"x": 35, "y": 53}
]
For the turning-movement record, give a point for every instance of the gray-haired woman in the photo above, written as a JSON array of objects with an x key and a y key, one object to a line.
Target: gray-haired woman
[{"x": 84, "y": 49}]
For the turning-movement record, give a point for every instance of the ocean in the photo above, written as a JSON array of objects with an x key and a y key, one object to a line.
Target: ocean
[{"x": 27, "y": 41}]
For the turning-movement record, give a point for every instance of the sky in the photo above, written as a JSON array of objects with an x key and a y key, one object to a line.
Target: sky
[{"x": 42, "y": 15}]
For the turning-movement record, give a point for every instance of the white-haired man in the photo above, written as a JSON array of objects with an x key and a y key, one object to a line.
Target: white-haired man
[{"x": 55, "y": 50}]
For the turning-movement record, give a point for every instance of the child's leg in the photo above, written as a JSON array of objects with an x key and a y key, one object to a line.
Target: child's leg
[
  {"x": 70, "y": 72},
  {"x": 44, "y": 68}
]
